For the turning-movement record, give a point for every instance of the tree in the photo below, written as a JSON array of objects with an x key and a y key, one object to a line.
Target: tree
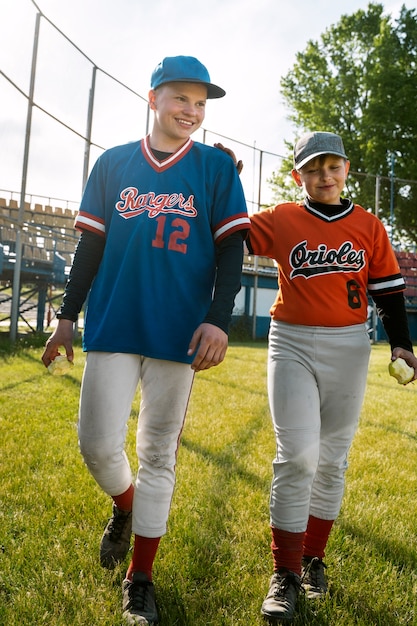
[{"x": 360, "y": 81}]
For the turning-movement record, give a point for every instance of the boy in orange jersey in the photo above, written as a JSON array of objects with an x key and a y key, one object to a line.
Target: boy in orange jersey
[{"x": 331, "y": 253}]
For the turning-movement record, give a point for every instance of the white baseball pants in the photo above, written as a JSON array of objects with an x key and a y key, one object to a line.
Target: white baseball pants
[
  {"x": 316, "y": 385},
  {"x": 108, "y": 388}
]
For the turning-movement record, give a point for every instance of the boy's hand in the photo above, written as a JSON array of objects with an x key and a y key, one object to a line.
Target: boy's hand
[
  {"x": 210, "y": 342},
  {"x": 62, "y": 336},
  {"x": 408, "y": 357},
  {"x": 238, "y": 164}
]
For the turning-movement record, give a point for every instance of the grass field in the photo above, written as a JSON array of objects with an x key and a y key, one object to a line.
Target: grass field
[{"x": 213, "y": 566}]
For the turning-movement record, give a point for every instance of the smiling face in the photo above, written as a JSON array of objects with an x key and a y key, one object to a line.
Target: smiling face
[
  {"x": 179, "y": 111},
  {"x": 323, "y": 178}
]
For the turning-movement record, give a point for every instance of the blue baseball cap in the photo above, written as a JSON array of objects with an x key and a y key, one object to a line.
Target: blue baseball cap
[{"x": 184, "y": 69}]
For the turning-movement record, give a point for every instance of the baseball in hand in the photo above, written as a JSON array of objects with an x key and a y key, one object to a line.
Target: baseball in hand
[
  {"x": 60, "y": 365},
  {"x": 400, "y": 370}
]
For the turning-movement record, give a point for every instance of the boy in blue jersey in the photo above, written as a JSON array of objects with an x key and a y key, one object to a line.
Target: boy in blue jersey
[{"x": 162, "y": 223}]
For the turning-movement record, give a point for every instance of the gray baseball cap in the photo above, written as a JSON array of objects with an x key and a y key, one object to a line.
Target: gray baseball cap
[
  {"x": 183, "y": 69},
  {"x": 312, "y": 145}
]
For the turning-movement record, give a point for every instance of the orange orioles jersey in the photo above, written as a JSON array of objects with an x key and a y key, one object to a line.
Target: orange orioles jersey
[{"x": 327, "y": 266}]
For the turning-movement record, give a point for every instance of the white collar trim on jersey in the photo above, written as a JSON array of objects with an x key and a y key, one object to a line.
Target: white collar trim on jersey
[
  {"x": 173, "y": 158},
  {"x": 345, "y": 208}
]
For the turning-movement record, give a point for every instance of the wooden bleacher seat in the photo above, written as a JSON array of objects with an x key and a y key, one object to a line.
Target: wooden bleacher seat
[
  {"x": 6, "y": 234},
  {"x": 39, "y": 254},
  {"x": 263, "y": 263},
  {"x": 11, "y": 234},
  {"x": 67, "y": 257},
  {"x": 49, "y": 220},
  {"x": 26, "y": 237},
  {"x": 27, "y": 252},
  {"x": 69, "y": 246}
]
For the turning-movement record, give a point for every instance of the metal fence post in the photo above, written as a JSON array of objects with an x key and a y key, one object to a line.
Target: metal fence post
[{"x": 14, "y": 316}]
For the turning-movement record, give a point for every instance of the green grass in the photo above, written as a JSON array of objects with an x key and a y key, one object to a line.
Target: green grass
[{"x": 213, "y": 566}]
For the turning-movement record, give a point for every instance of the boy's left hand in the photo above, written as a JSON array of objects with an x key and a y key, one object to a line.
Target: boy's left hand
[
  {"x": 210, "y": 344},
  {"x": 408, "y": 357}
]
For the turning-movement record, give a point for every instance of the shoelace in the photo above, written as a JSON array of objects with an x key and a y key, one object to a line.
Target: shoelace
[
  {"x": 117, "y": 525},
  {"x": 288, "y": 581},
  {"x": 139, "y": 595},
  {"x": 315, "y": 569}
]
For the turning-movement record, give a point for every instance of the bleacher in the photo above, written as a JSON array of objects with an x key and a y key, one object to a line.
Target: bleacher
[
  {"x": 48, "y": 241},
  {"x": 261, "y": 265}
]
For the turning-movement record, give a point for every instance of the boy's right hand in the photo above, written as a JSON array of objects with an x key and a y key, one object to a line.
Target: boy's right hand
[{"x": 62, "y": 336}]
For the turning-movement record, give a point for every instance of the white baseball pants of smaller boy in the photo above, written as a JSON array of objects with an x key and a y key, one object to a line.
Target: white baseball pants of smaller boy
[
  {"x": 109, "y": 385},
  {"x": 316, "y": 385}
]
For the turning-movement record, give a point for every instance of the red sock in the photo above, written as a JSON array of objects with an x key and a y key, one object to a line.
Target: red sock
[
  {"x": 287, "y": 550},
  {"x": 144, "y": 552},
  {"x": 124, "y": 500},
  {"x": 317, "y": 535}
]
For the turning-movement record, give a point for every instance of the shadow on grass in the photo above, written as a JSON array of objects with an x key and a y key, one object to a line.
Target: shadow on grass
[
  {"x": 234, "y": 385},
  {"x": 31, "y": 357},
  {"x": 410, "y": 388},
  {"x": 396, "y": 553},
  {"x": 33, "y": 379},
  {"x": 327, "y": 612},
  {"x": 228, "y": 459},
  {"x": 389, "y": 428}
]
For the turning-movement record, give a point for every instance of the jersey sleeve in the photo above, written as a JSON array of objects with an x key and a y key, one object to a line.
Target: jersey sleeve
[
  {"x": 91, "y": 216},
  {"x": 384, "y": 275},
  {"x": 229, "y": 205},
  {"x": 261, "y": 237},
  {"x": 102, "y": 188}
]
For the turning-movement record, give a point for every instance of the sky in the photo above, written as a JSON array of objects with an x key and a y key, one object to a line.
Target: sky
[{"x": 247, "y": 46}]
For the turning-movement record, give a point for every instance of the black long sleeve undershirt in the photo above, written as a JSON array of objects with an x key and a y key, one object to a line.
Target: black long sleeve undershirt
[
  {"x": 392, "y": 312},
  {"x": 229, "y": 259},
  {"x": 88, "y": 255}
]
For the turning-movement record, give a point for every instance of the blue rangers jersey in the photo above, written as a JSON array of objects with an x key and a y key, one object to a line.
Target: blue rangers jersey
[{"x": 161, "y": 221}]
